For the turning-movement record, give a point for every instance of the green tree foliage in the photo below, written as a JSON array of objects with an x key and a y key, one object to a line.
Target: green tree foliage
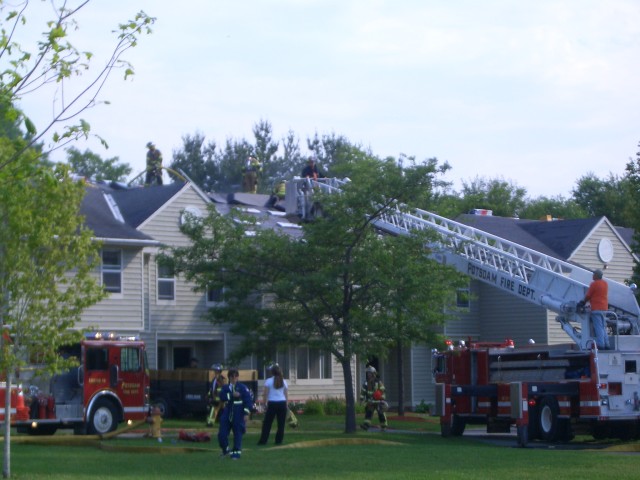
[
  {"x": 91, "y": 165},
  {"x": 198, "y": 161},
  {"x": 632, "y": 184},
  {"x": 504, "y": 198},
  {"x": 555, "y": 207},
  {"x": 55, "y": 61},
  {"x": 46, "y": 263},
  {"x": 336, "y": 290},
  {"x": 604, "y": 197}
]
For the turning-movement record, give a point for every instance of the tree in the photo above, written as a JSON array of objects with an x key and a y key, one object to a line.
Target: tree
[
  {"x": 556, "y": 207},
  {"x": 91, "y": 165},
  {"x": 198, "y": 161},
  {"x": 56, "y": 63},
  {"x": 331, "y": 291},
  {"x": 632, "y": 184},
  {"x": 604, "y": 197},
  {"x": 504, "y": 198},
  {"x": 46, "y": 262}
]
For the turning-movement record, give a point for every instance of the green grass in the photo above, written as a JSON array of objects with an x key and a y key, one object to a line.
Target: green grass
[{"x": 419, "y": 452}]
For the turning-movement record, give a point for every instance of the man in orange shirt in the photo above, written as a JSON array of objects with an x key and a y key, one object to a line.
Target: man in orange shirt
[{"x": 597, "y": 296}]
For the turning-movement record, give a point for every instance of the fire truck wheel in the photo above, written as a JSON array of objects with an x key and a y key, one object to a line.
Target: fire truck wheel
[
  {"x": 548, "y": 419},
  {"x": 165, "y": 408},
  {"x": 457, "y": 426},
  {"x": 103, "y": 418}
]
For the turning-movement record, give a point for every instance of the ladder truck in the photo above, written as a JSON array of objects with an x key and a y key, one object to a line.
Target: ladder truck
[{"x": 547, "y": 392}]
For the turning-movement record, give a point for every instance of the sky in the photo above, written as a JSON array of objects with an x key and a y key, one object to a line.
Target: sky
[{"x": 537, "y": 93}]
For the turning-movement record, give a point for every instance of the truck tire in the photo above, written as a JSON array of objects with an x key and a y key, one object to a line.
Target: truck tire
[
  {"x": 457, "y": 426},
  {"x": 453, "y": 429},
  {"x": 103, "y": 418},
  {"x": 165, "y": 408},
  {"x": 548, "y": 419}
]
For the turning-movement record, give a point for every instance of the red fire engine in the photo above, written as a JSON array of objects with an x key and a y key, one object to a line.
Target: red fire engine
[
  {"x": 546, "y": 391},
  {"x": 110, "y": 386}
]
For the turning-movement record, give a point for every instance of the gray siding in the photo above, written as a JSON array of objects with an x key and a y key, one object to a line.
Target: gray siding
[{"x": 121, "y": 312}]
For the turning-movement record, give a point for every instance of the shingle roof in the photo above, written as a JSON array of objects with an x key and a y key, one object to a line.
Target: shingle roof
[
  {"x": 99, "y": 217},
  {"x": 558, "y": 238},
  {"x": 138, "y": 204}
]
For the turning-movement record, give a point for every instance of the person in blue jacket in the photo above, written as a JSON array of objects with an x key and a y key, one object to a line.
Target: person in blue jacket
[{"x": 238, "y": 403}]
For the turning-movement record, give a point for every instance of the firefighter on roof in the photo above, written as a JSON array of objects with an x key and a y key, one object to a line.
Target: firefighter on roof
[
  {"x": 154, "y": 165},
  {"x": 373, "y": 396},
  {"x": 250, "y": 175}
]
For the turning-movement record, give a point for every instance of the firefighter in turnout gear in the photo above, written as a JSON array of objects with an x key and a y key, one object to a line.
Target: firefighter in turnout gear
[
  {"x": 373, "y": 396},
  {"x": 250, "y": 175},
  {"x": 215, "y": 404},
  {"x": 154, "y": 165},
  {"x": 238, "y": 403}
]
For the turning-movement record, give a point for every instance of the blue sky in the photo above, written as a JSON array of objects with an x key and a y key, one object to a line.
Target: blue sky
[{"x": 538, "y": 93}]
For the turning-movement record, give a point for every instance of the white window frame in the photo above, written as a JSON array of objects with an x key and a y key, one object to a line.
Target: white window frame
[
  {"x": 112, "y": 270},
  {"x": 171, "y": 280},
  {"x": 463, "y": 293},
  {"x": 325, "y": 364}
]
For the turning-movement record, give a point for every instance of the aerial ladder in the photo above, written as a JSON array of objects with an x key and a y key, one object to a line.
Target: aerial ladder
[
  {"x": 546, "y": 391},
  {"x": 525, "y": 273}
]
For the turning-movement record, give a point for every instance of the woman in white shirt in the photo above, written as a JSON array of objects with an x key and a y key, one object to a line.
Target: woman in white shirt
[{"x": 275, "y": 396}]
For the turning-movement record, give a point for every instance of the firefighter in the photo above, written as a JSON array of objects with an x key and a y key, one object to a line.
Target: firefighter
[
  {"x": 278, "y": 194},
  {"x": 238, "y": 403},
  {"x": 250, "y": 175},
  {"x": 154, "y": 165},
  {"x": 214, "y": 395},
  {"x": 372, "y": 394}
]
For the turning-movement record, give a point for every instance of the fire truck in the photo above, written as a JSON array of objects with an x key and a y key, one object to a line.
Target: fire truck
[
  {"x": 546, "y": 392},
  {"x": 110, "y": 386}
]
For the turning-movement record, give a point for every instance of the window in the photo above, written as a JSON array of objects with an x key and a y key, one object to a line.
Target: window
[
  {"x": 166, "y": 283},
  {"x": 313, "y": 363},
  {"x": 215, "y": 295},
  {"x": 463, "y": 298},
  {"x": 281, "y": 358},
  {"x": 97, "y": 359},
  {"x": 130, "y": 360},
  {"x": 112, "y": 270}
]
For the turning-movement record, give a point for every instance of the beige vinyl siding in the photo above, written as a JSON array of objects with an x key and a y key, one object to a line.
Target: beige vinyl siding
[
  {"x": 185, "y": 313},
  {"x": 466, "y": 324},
  {"x": 121, "y": 312},
  {"x": 621, "y": 266},
  {"x": 423, "y": 388},
  {"x": 505, "y": 316}
]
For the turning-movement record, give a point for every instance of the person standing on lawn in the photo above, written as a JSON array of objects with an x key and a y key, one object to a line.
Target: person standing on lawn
[
  {"x": 373, "y": 396},
  {"x": 237, "y": 407},
  {"x": 275, "y": 397}
]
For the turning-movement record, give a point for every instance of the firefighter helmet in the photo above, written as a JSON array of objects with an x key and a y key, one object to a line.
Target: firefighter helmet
[
  {"x": 370, "y": 369},
  {"x": 217, "y": 367}
]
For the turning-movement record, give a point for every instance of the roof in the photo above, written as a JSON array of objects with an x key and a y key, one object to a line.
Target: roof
[
  {"x": 139, "y": 203},
  {"x": 268, "y": 217},
  {"x": 100, "y": 218},
  {"x": 558, "y": 238}
]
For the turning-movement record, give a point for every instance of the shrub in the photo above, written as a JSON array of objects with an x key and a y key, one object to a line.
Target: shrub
[
  {"x": 422, "y": 407},
  {"x": 314, "y": 406},
  {"x": 335, "y": 406}
]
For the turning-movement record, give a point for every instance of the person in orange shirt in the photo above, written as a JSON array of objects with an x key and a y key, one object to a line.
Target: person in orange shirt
[{"x": 597, "y": 297}]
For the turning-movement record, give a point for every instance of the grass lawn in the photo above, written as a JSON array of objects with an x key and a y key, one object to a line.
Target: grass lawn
[{"x": 316, "y": 450}]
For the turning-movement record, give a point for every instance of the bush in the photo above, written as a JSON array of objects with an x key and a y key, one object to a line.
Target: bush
[
  {"x": 314, "y": 406},
  {"x": 335, "y": 406},
  {"x": 422, "y": 407}
]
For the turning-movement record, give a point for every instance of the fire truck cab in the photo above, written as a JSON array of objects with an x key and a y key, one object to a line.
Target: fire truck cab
[{"x": 110, "y": 386}]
